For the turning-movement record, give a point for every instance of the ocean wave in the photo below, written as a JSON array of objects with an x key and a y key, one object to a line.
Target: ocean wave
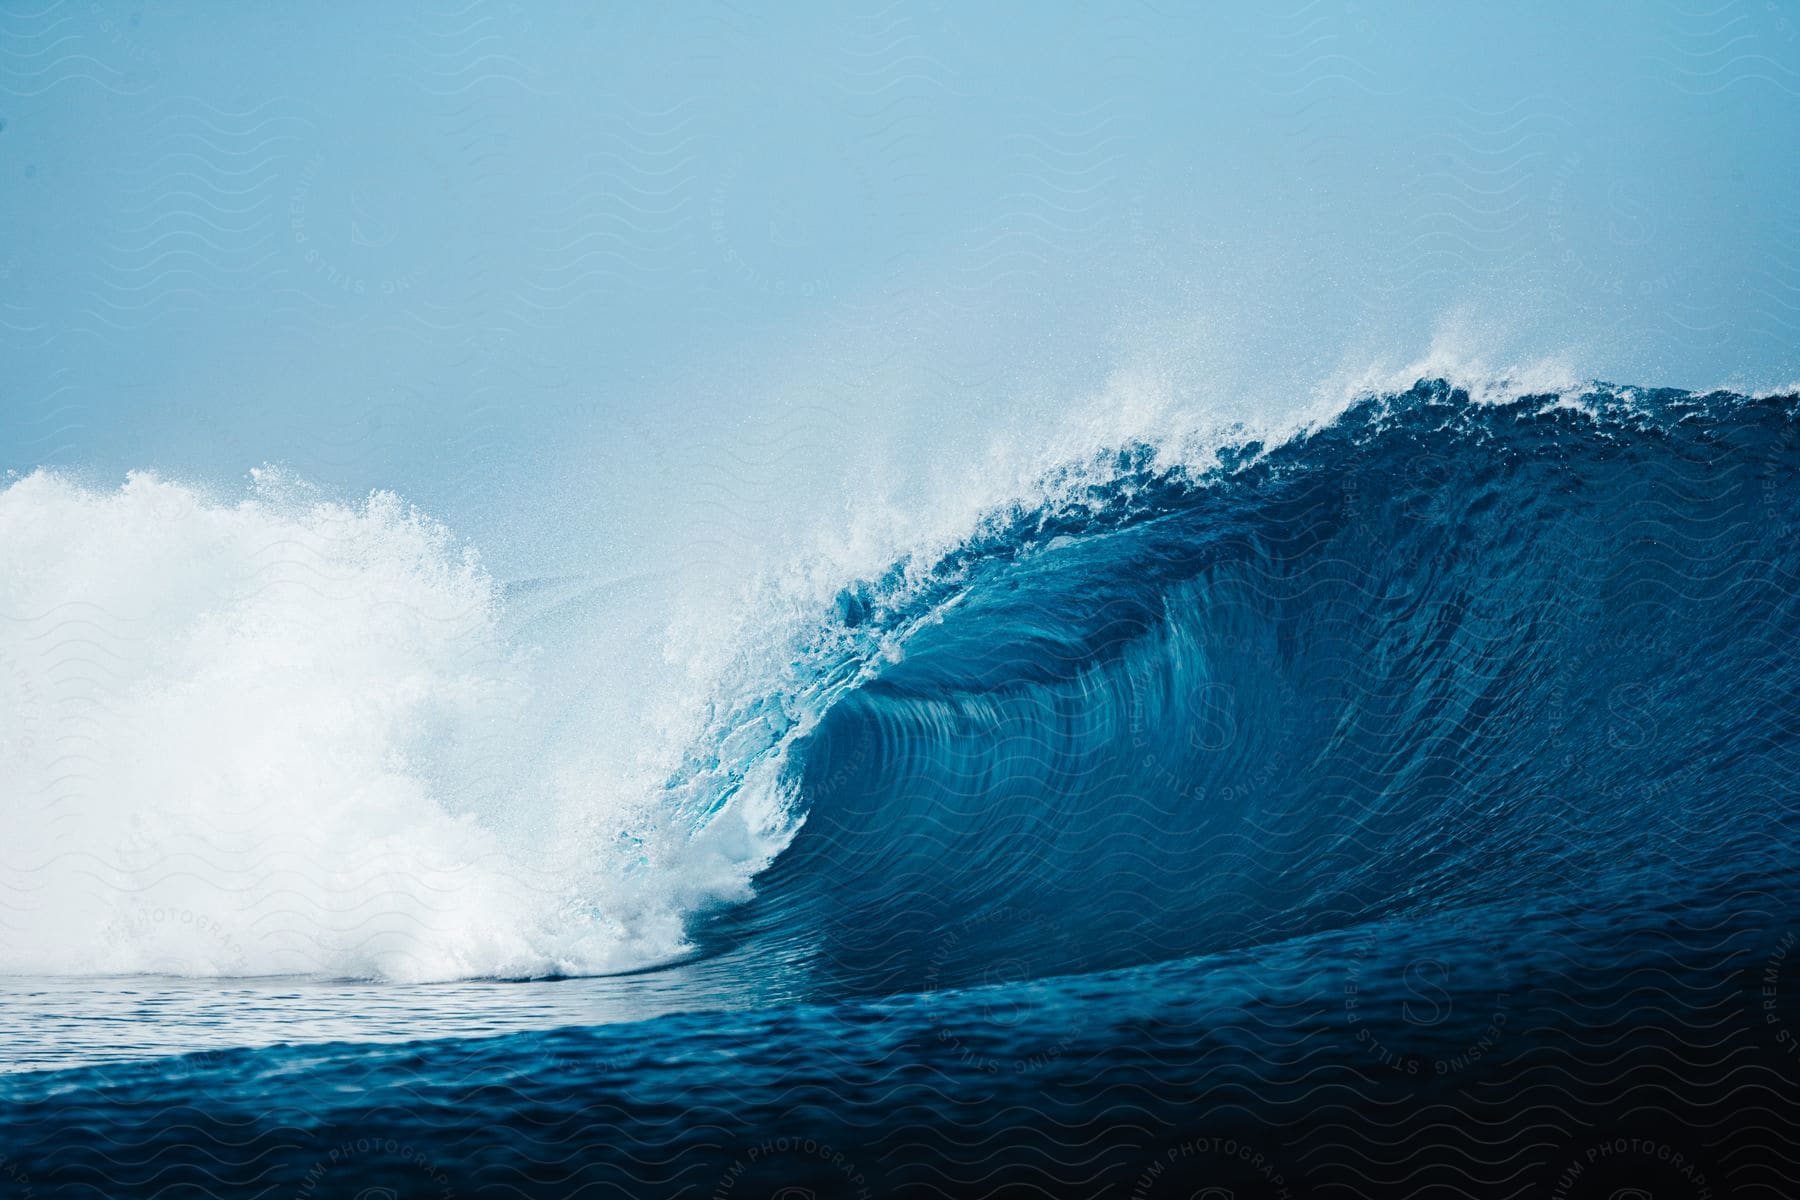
[
  {"x": 1176, "y": 696},
  {"x": 1440, "y": 651}
]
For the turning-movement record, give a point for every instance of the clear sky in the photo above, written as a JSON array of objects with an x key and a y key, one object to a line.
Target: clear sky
[{"x": 562, "y": 273}]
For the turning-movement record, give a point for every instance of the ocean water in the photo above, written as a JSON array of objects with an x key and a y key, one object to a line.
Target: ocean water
[
  {"x": 1403, "y": 803},
  {"x": 773, "y": 600}
]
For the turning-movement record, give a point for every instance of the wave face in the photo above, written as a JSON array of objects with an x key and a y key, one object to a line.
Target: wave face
[{"x": 1437, "y": 653}]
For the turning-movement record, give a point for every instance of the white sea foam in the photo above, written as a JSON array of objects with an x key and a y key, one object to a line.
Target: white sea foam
[{"x": 283, "y": 734}]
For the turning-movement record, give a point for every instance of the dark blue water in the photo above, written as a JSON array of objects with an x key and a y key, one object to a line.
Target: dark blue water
[{"x": 1410, "y": 809}]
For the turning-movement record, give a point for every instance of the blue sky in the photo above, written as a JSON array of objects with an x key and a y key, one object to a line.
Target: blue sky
[{"x": 522, "y": 261}]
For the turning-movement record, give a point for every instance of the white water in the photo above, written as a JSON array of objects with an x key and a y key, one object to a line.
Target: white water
[{"x": 285, "y": 735}]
